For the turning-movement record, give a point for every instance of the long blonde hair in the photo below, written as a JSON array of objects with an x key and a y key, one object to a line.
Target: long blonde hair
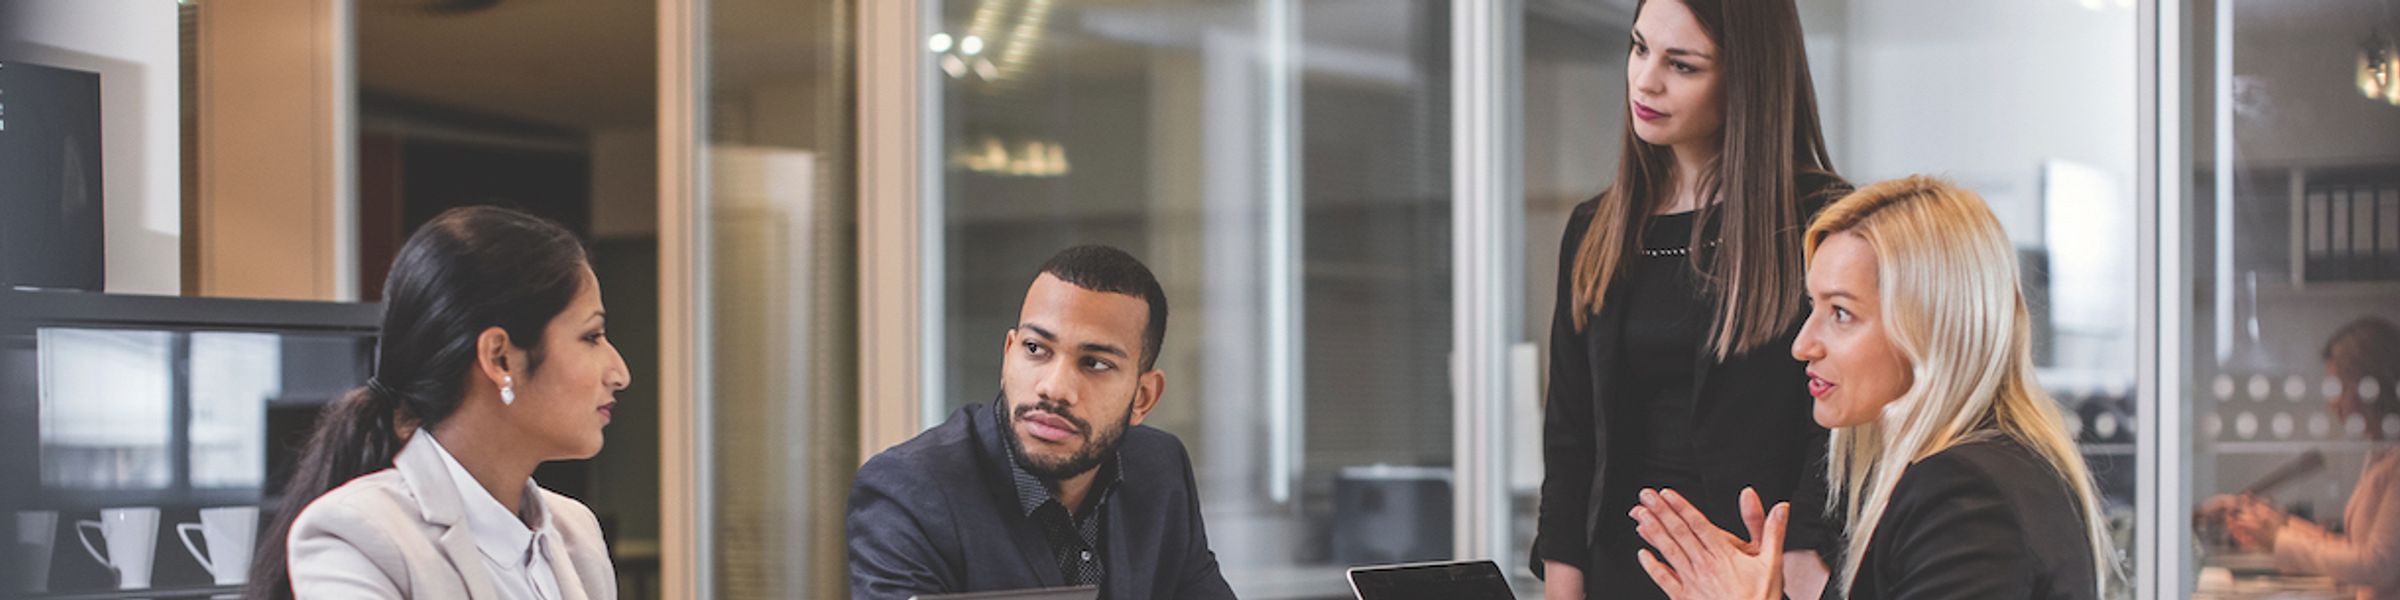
[{"x": 1948, "y": 281}]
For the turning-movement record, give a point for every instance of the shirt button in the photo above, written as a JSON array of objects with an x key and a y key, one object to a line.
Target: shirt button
[{"x": 1087, "y": 556}]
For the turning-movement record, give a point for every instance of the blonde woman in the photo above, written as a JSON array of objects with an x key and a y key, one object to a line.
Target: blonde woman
[{"x": 1953, "y": 468}]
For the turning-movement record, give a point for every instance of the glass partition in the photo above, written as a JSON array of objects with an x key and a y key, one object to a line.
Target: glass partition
[
  {"x": 776, "y": 277},
  {"x": 1283, "y": 167},
  {"x": 2291, "y": 251}
]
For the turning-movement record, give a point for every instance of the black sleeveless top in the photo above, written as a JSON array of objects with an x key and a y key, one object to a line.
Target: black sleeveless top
[{"x": 1667, "y": 315}]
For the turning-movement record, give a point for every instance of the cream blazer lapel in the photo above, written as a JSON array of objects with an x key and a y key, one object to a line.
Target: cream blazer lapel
[
  {"x": 402, "y": 532},
  {"x": 438, "y": 500},
  {"x": 570, "y": 580},
  {"x": 578, "y": 551}
]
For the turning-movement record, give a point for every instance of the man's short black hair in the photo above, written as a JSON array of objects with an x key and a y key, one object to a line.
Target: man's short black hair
[{"x": 1107, "y": 269}]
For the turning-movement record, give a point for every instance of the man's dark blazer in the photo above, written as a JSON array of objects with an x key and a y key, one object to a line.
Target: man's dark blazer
[{"x": 939, "y": 514}]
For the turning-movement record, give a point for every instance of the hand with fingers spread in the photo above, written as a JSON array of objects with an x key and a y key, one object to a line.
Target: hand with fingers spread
[{"x": 1698, "y": 561}]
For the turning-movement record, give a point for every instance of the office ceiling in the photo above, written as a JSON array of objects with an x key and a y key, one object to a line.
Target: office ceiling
[{"x": 582, "y": 64}]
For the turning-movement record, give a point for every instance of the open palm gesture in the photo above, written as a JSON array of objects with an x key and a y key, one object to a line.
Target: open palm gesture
[{"x": 1702, "y": 562}]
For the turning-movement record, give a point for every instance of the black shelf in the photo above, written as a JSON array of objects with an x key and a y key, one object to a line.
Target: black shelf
[
  {"x": 43, "y": 307},
  {"x": 324, "y": 349},
  {"x": 155, "y": 593}
]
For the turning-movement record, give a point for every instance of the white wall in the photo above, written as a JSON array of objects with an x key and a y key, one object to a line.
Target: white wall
[
  {"x": 2033, "y": 104},
  {"x": 1984, "y": 93},
  {"x": 133, "y": 44}
]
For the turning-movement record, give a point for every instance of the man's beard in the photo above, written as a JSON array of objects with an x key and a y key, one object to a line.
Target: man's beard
[{"x": 1097, "y": 445}]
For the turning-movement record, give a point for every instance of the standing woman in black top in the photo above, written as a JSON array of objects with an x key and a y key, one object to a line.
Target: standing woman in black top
[
  {"x": 1954, "y": 469},
  {"x": 1678, "y": 293}
]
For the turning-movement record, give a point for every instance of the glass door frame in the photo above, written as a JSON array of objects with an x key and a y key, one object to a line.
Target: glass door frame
[
  {"x": 684, "y": 455},
  {"x": 2163, "y": 361},
  {"x": 1488, "y": 199}
]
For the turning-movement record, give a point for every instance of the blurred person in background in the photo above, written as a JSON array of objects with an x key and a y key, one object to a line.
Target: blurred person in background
[{"x": 2364, "y": 358}]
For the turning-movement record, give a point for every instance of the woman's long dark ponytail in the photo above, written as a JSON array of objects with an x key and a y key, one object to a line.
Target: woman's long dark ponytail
[{"x": 467, "y": 270}]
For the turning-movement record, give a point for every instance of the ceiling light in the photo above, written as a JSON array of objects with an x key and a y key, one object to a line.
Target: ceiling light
[
  {"x": 940, "y": 42},
  {"x": 2378, "y": 75}
]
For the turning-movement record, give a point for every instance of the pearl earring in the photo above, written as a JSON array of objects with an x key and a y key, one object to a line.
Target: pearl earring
[{"x": 508, "y": 390}]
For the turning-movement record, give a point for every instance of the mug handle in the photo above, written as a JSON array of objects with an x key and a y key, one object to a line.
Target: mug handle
[
  {"x": 184, "y": 531},
  {"x": 80, "y": 526}
]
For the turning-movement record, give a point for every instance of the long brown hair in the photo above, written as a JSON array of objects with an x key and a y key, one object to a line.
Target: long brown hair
[{"x": 1771, "y": 137}]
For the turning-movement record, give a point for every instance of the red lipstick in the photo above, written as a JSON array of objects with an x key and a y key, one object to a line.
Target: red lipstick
[{"x": 1648, "y": 114}]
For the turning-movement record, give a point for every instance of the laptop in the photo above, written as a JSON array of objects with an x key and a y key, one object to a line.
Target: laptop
[
  {"x": 1084, "y": 592},
  {"x": 1466, "y": 580}
]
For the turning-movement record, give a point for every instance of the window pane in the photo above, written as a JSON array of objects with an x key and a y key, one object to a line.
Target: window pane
[
  {"x": 107, "y": 397},
  {"x": 1283, "y": 167},
  {"x": 233, "y": 377},
  {"x": 778, "y": 317},
  {"x": 1574, "y": 83},
  {"x": 2293, "y": 212}
]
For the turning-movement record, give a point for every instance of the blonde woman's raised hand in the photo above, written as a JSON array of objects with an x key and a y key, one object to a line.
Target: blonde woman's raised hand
[{"x": 1698, "y": 561}]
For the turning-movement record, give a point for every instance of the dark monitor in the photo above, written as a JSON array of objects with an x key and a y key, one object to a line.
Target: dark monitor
[
  {"x": 50, "y": 200},
  {"x": 1473, "y": 580}
]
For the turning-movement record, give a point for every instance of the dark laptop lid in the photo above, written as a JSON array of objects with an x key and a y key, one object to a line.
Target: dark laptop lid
[
  {"x": 1065, "y": 593},
  {"x": 1469, "y": 580}
]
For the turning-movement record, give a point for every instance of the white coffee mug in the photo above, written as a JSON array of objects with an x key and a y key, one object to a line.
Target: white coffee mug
[
  {"x": 30, "y": 563},
  {"x": 229, "y": 531},
  {"x": 132, "y": 536}
]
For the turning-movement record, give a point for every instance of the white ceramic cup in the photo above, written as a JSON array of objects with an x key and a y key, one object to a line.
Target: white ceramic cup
[
  {"x": 132, "y": 537},
  {"x": 37, "y": 530},
  {"x": 229, "y": 532}
]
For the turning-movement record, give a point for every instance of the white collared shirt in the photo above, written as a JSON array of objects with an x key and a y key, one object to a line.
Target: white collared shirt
[{"x": 518, "y": 555}]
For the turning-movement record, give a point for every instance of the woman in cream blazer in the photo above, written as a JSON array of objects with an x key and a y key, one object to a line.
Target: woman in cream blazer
[
  {"x": 404, "y": 533},
  {"x": 493, "y": 359}
]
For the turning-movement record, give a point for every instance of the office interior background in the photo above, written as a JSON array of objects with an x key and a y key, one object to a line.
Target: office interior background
[{"x": 813, "y": 220}]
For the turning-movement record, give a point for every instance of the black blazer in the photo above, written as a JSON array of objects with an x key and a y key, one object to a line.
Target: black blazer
[
  {"x": 1753, "y": 413},
  {"x": 1987, "y": 519},
  {"x": 939, "y": 514}
]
